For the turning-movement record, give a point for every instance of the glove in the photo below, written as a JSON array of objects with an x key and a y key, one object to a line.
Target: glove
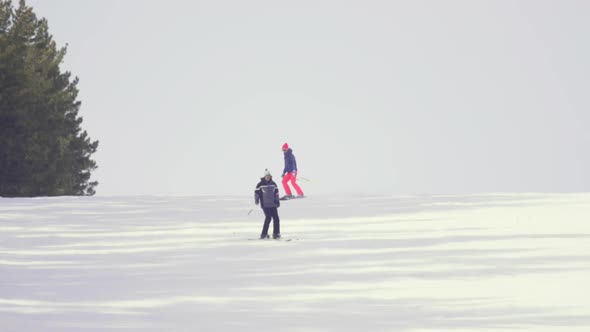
[
  {"x": 279, "y": 203},
  {"x": 256, "y": 201}
]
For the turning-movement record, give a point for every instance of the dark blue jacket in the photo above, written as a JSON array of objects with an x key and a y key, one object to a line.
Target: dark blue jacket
[
  {"x": 290, "y": 162},
  {"x": 267, "y": 194}
]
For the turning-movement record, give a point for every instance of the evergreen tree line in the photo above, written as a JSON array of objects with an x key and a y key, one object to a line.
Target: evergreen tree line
[{"x": 43, "y": 150}]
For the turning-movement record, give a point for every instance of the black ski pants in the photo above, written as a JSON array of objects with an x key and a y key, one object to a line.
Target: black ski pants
[{"x": 271, "y": 213}]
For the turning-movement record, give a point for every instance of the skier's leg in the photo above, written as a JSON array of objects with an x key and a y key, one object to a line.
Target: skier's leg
[
  {"x": 268, "y": 216},
  {"x": 276, "y": 227},
  {"x": 286, "y": 179},
  {"x": 295, "y": 185}
]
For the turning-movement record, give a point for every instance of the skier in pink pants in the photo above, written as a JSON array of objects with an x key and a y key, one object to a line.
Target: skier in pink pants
[{"x": 290, "y": 173}]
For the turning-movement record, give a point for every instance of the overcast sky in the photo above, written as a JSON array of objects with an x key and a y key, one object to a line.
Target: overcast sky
[{"x": 391, "y": 97}]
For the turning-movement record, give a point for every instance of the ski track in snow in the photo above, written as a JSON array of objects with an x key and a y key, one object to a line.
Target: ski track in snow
[{"x": 496, "y": 262}]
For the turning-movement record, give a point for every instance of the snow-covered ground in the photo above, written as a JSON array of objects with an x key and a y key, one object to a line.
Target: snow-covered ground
[{"x": 445, "y": 263}]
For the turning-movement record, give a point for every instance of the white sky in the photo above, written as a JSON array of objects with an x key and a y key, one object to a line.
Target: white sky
[{"x": 399, "y": 97}]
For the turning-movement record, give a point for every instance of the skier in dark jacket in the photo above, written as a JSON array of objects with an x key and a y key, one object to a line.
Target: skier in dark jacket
[
  {"x": 267, "y": 194},
  {"x": 290, "y": 173}
]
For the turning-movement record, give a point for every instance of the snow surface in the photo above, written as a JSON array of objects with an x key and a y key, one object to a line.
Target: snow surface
[{"x": 498, "y": 262}]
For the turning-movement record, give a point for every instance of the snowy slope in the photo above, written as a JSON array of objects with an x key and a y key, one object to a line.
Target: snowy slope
[{"x": 449, "y": 263}]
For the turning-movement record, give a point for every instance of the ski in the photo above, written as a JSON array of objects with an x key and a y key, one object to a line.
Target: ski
[
  {"x": 288, "y": 198},
  {"x": 281, "y": 239}
]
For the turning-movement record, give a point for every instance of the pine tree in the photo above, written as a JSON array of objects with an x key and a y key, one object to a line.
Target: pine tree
[{"x": 43, "y": 150}]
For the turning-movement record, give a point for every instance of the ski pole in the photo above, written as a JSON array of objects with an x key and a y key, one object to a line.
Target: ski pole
[
  {"x": 304, "y": 179},
  {"x": 250, "y": 211}
]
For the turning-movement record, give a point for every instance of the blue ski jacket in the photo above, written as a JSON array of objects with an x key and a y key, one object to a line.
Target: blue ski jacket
[
  {"x": 267, "y": 194},
  {"x": 290, "y": 162}
]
